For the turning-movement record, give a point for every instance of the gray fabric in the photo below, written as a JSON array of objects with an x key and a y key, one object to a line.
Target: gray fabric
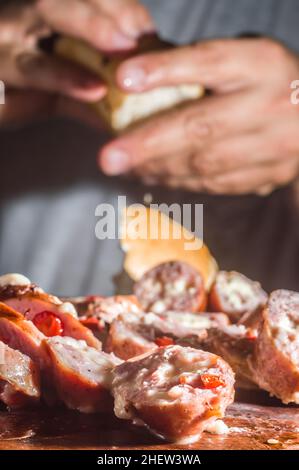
[
  {"x": 187, "y": 20},
  {"x": 50, "y": 183}
]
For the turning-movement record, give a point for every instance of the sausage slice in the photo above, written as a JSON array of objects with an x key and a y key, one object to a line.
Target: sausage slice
[
  {"x": 176, "y": 392},
  {"x": 171, "y": 286},
  {"x": 19, "y": 378},
  {"x": 47, "y": 312},
  {"x": 275, "y": 360},
  {"x": 235, "y": 294},
  {"x": 82, "y": 375},
  {"x": 132, "y": 335}
]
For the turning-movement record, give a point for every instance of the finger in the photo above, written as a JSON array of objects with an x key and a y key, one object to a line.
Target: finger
[
  {"x": 250, "y": 180},
  {"x": 132, "y": 18},
  {"x": 51, "y": 74},
  {"x": 84, "y": 20},
  {"x": 265, "y": 190},
  {"x": 271, "y": 142},
  {"x": 221, "y": 157},
  {"x": 179, "y": 165},
  {"x": 191, "y": 183},
  {"x": 186, "y": 130},
  {"x": 237, "y": 152},
  {"x": 262, "y": 180},
  {"x": 221, "y": 65}
]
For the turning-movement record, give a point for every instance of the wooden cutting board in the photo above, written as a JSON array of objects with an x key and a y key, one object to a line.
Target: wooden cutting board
[{"x": 251, "y": 426}]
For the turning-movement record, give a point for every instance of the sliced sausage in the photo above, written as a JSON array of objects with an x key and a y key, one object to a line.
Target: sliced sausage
[
  {"x": 19, "y": 378},
  {"x": 47, "y": 312},
  {"x": 234, "y": 294},
  {"x": 235, "y": 344},
  {"x": 22, "y": 335},
  {"x": 126, "y": 339},
  {"x": 82, "y": 375},
  {"x": 176, "y": 392},
  {"x": 194, "y": 322},
  {"x": 275, "y": 362},
  {"x": 105, "y": 308},
  {"x": 97, "y": 313},
  {"x": 171, "y": 286},
  {"x": 132, "y": 335}
]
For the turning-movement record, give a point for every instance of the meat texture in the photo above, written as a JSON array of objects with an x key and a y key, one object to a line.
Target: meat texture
[
  {"x": 71, "y": 371},
  {"x": 235, "y": 295},
  {"x": 19, "y": 378},
  {"x": 176, "y": 392},
  {"x": 22, "y": 335},
  {"x": 82, "y": 374},
  {"x": 97, "y": 313},
  {"x": 171, "y": 286},
  {"x": 47, "y": 312},
  {"x": 235, "y": 344},
  {"x": 131, "y": 335},
  {"x": 275, "y": 361}
]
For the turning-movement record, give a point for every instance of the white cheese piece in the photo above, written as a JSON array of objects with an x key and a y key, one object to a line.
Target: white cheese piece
[
  {"x": 188, "y": 440},
  {"x": 272, "y": 441},
  {"x": 67, "y": 307},
  {"x": 158, "y": 307},
  {"x": 217, "y": 427},
  {"x": 14, "y": 279}
]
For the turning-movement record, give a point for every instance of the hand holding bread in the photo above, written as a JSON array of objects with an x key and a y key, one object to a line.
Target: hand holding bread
[{"x": 241, "y": 138}]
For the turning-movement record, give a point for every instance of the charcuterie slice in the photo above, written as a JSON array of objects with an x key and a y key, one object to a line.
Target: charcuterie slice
[
  {"x": 48, "y": 313},
  {"x": 234, "y": 294},
  {"x": 176, "y": 392},
  {"x": 275, "y": 362},
  {"x": 171, "y": 286},
  {"x": 19, "y": 378},
  {"x": 82, "y": 375},
  {"x": 131, "y": 335}
]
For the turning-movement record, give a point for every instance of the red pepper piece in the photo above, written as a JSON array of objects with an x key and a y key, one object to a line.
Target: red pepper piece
[
  {"x": 251, "y": 335},
  {"x": 164, "y": 341},
  {"x": 89, "y": 321},
  {"x": 211, "y": 381},
  {"x": 48, "y": 323},
  {"x": 206, "y": 381}
]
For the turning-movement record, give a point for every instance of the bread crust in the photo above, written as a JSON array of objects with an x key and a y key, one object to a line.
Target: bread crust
[{"x": 121, "y": 110}]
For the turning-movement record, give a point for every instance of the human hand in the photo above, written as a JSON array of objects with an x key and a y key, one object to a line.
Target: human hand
[
  {"x": 38, "y": 84},
  {"x": 107, "y": 25},
  {"x": 242, "y": 138}
]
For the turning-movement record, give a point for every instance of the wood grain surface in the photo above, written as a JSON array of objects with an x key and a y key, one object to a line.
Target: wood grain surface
[{"x": 251, "y": 426}]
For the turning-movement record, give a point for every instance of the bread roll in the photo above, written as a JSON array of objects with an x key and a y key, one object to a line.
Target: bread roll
[
  {"x": 120, "y": 109},
  {"x": 142, "y": 254}
]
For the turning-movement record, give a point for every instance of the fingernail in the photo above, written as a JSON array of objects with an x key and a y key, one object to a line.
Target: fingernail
[
  {"x": 115, "y": 161},
  {"x": 121, "y": 41},
  {"x": 133, "y": 78},
  {"x": 136, "y": 31}
]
